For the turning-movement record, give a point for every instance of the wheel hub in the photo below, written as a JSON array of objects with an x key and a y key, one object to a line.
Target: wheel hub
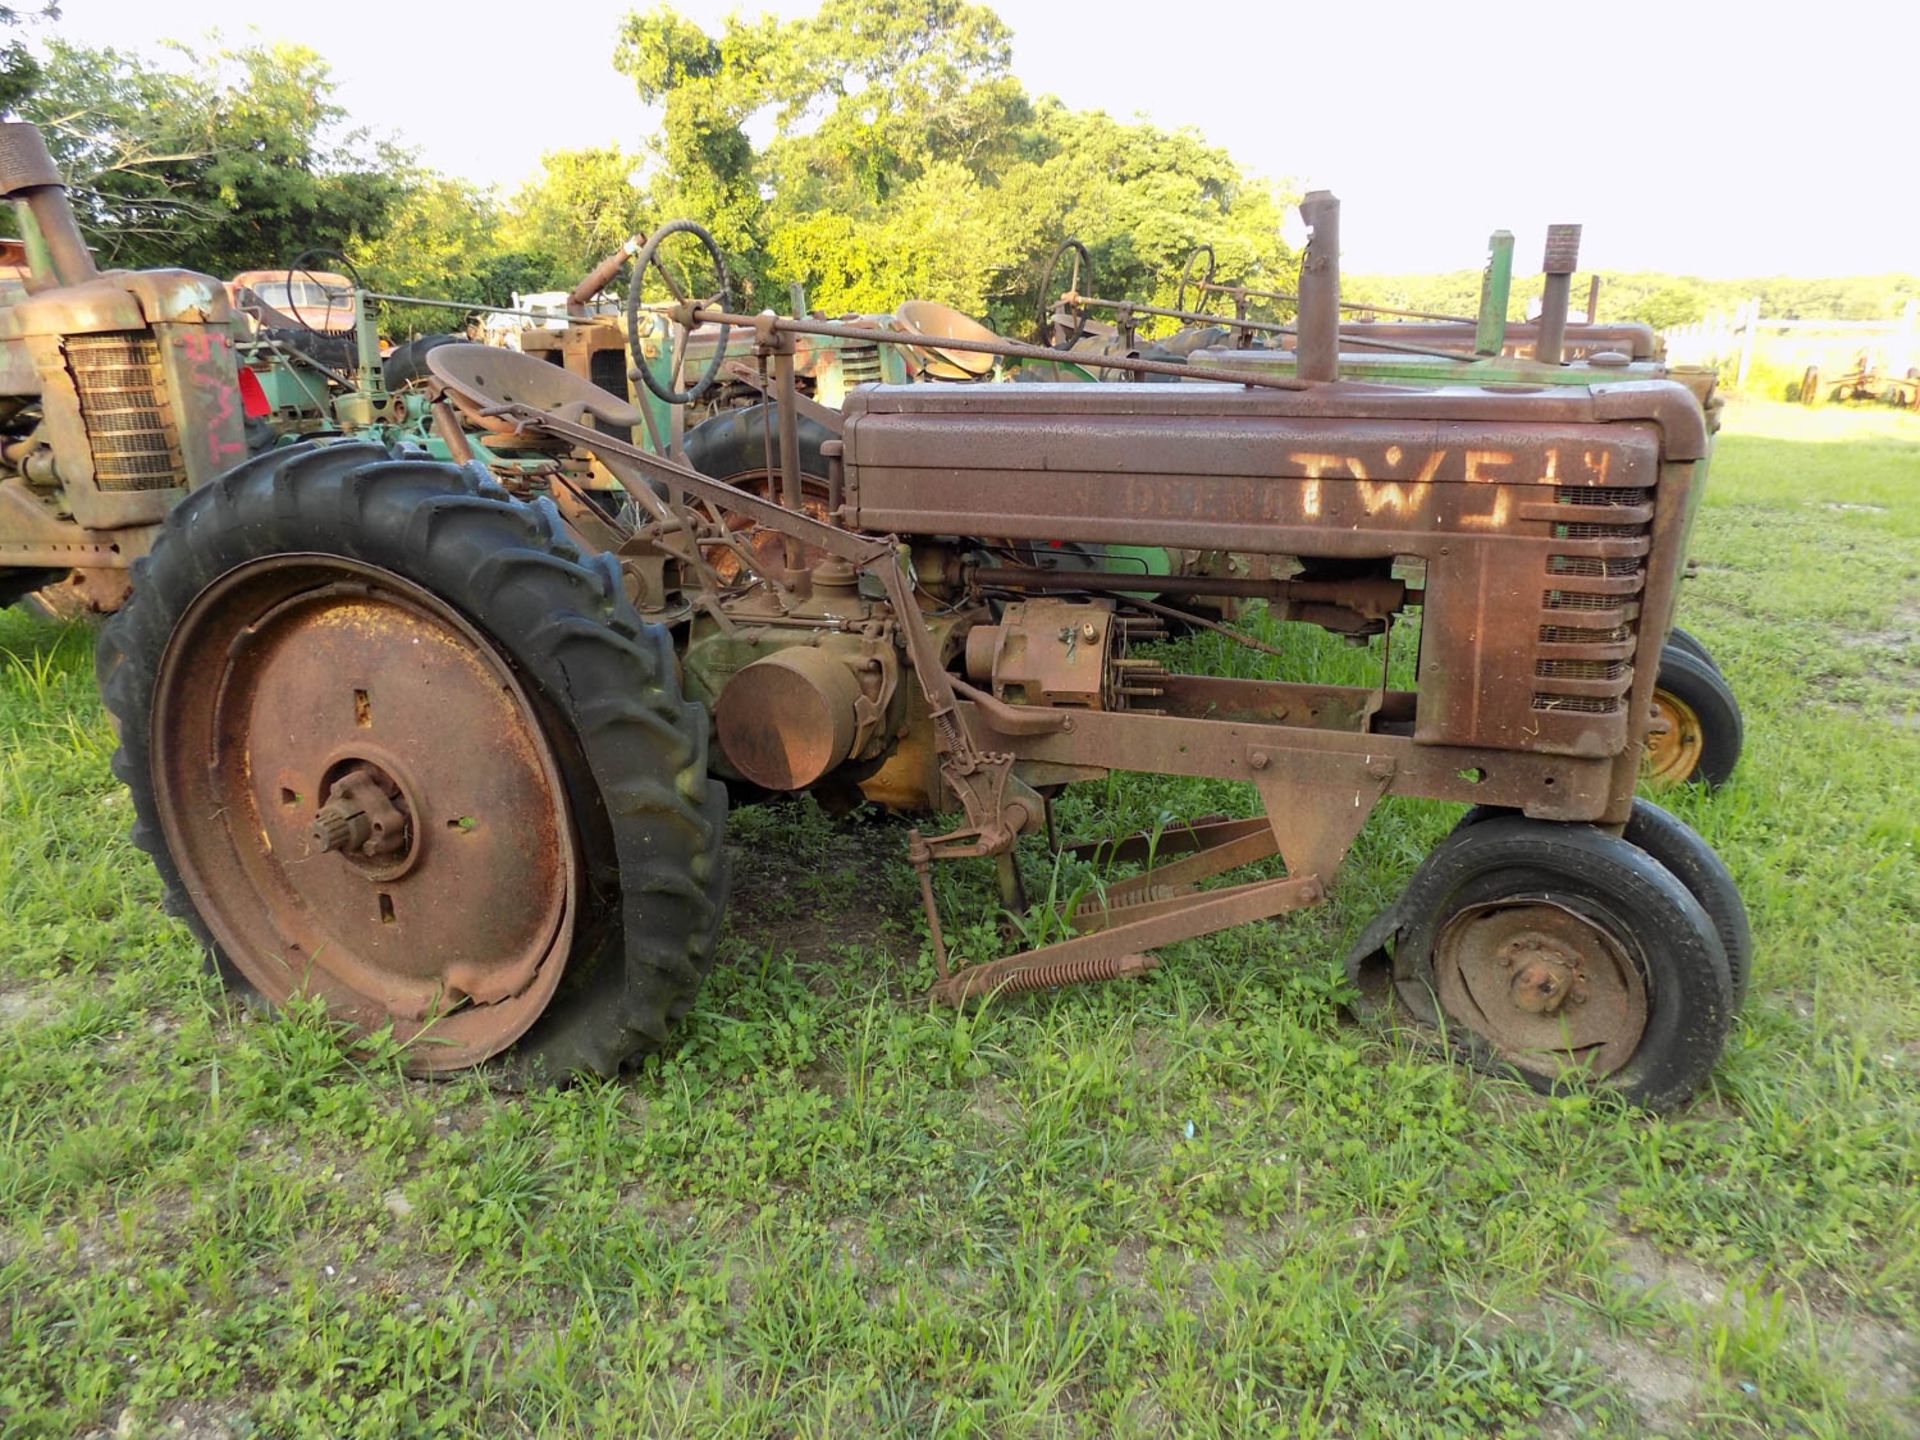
[
  {"x": 1675, "y": 741},
  {"x": 1548, "y": 987},
  {"x": 364, "y": 804},
  {"x": 364, "y": 816}
]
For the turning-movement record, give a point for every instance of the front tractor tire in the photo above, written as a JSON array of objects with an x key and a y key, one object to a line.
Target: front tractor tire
[
  {"x": 392, "y": 740},
  {"x": 1697, "y": 732},
  {"x": 1556, "y": 952}
]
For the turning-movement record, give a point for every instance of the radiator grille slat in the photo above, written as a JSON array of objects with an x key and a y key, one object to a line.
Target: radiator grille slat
[
  {"x": 1613, "y": 581},
  {"x": 116, "y": 377}
]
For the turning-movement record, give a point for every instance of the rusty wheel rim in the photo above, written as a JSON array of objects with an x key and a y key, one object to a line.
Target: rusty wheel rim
[
  {"x": 1550, "y": 989},
  {"x": 1675, "y": 740},
  {"x": 364, "y": 805}
]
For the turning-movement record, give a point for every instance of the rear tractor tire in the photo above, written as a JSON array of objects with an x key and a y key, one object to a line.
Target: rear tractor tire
[
  {"x": 1558, "y": 952},
  {"x": 393, "y": 741}
]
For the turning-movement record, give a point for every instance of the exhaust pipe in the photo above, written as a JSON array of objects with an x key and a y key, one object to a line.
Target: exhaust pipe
[
  {"x": 1318, "y": 322},
  {"x": 1563, "y": 256},
  {"x": 601, "y": 276},
  {"x": 30, "y": 179}
]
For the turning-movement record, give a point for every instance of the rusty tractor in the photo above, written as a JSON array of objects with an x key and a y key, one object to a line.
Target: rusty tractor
[
  {"x": 118, "y": 395},
  {"x": 401, "y": 739},
  {"x": 1697, "y": 729},
  {"x": 1865, "y": 379}
]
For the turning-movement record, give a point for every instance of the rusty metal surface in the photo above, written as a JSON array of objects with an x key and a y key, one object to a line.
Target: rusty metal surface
[
  {"x": 124, "y": 394},
  {"x": 483, "y": 378},
  {"x": 388, "y": 826},
  {"x": 1538, "y": 533},
  {"x": 1549, "y": 989},
  {"x": 1046, "y": 652},
  {"x": 789, "y": 718},
  {"x": 942, "y": 322}
]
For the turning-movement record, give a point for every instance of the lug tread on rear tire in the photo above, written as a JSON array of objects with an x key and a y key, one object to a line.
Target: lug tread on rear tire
[{"x": 561, "y": 617}]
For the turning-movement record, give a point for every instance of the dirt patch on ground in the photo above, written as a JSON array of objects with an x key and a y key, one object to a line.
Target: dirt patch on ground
[
  {"x": 1879, "y": 1358},
  {"x": 20, "y": 1004},
  {"x": 817, "y": 904},
  {"x": 1660, "y": 1384}
]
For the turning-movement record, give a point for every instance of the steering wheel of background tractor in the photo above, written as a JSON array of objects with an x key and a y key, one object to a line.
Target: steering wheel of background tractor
[
  {"x": 300, "y": 267},
  {"x": 1082, "y": 267},
  {"x": 650, "y": 256},
  {"x": 1186, "y": 278}
]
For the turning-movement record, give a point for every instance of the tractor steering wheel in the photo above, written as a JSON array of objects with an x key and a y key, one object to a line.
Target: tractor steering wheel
[
  {"x": 650, "y": 255},
  {"x": 299, "y": 266},
  {"x": 1186, "y": 278},
  {"x": 1082, "y": 267}
]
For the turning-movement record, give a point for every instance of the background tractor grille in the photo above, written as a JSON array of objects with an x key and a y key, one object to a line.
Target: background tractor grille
[
  {"x": 116, "y": 377},
  {"x": 861, "y": 365}
]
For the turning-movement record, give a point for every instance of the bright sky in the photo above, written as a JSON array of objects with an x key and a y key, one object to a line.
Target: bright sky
[{"x": 1787, "y": 130}]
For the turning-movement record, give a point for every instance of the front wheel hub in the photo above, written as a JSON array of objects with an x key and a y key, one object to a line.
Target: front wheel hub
[{"x": 1548, "y": 987}]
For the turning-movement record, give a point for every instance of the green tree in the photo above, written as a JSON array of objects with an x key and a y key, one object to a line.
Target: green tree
[
  {"x": 20, "y": 73},
  {"x": 581, "y": 206},
  {"x": 236, "y": 160},
  {"x": 905, "y": 160}
]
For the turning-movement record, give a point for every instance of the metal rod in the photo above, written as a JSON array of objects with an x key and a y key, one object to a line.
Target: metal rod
[
  {"x": 1239, "y": 323},
  {"x": 1383, "y": 595},
  {"x": 447, "y": 426},
  {"x": 1563, "y": 254},
  {"x": 1014, "y": 349},
  {"x": 1357, "y": 305},
  {"x": 598, "y": 278},
  {"x": 461, "y": 305},
  {"x": 788, "y": 415},
  {"x": 1272, "y": 327}
]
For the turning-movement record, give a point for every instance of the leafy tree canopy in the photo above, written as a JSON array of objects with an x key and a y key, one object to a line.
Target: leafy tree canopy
[
  {"x": 236, "y": 159},
  {"x": 906, "y": 160}
]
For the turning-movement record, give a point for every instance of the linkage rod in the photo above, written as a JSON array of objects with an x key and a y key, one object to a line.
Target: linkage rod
[
  {"x": 1013, "y": 349},
  {"x": 1356, "y": 305},
  {"x": 1230, "y": 323}
]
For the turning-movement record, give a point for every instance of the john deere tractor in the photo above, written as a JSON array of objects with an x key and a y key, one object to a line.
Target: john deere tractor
[{"x": 118, "y": 395}]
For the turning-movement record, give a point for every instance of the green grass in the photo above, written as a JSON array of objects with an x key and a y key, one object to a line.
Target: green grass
[{"x": 1202, "y": 1203}]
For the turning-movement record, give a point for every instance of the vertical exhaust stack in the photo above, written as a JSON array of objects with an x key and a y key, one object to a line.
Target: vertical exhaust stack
[
  {"x": 1318, "y": 325},
  {"x": 30, "y": 179},
  {"x": 1563, "y": 255}
]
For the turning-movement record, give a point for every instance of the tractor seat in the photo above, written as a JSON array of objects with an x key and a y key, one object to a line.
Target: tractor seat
[{"x": 482, "y": 377}]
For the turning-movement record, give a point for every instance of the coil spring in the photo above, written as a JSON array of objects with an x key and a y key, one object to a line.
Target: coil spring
[{"x": 1073, "y": 972}]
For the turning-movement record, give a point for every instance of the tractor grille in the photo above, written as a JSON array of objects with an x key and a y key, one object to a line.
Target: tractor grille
[
  {"x": 1592, "y": 600},
  {"x": 861, "y": 365},
  {"x": 1598, "y": 496},
  {"x": 1581, "y": 669},
  {"x": 1591, "y": 565},
  {"x": 116, "y": 377}
]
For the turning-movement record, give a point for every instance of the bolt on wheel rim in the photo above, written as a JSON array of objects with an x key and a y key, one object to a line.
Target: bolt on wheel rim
[
  {"x": 1548, "y": 988},
  {"x": 1675, "y": 740},
  {"x": 364, "y": 805}
]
